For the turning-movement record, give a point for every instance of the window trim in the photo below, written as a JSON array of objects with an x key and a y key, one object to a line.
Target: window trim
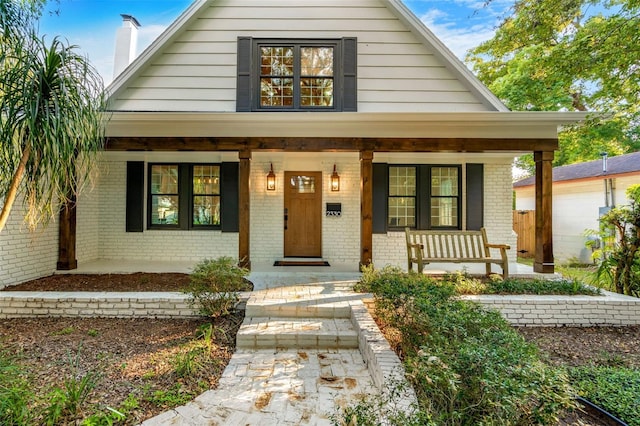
[
  {"x": 424, "y": 197},
  {"x": 185, "y": 198},
  {"x": 297, "y": 44}
]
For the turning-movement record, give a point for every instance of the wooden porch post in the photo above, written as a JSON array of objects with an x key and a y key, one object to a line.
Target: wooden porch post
[
  {"x": 544, "y": 231},
  {"x": 244, "y": 205},
  {"x": 67, "y": 236},
  {"x": 366, "y": 207}
]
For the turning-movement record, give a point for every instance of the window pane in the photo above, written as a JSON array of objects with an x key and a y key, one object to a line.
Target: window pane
[
  {"x": 164, "y": 210},
  {"x": 402, "y": 211},
  {"x": 444, "y": 181},
  {"x": 206, "y": 179},
  {"x": 303, "y": 184},
  {"x": 402, "y": 181},
  {"x": 316, "y": 92},
  {"x": 206, "y": 210},
  {"x": 316, "y": 61},
  {"x": 276, "y": 61},
  {"x": 164, "y": 179},
  {"x": 276, "y": 92},
  {"x": 444, "y": 212}
]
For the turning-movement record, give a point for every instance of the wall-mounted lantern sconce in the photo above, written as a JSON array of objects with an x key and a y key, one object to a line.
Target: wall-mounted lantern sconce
[
  {"x": 335, "y": 180},
  {"x": 271, "y": 180}
]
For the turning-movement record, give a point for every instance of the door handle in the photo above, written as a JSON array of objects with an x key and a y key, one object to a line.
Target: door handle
[{"x": 286, "y": 218}]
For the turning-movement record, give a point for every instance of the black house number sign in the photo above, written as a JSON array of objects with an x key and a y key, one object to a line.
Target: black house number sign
[{"x": 334, "y": 210}]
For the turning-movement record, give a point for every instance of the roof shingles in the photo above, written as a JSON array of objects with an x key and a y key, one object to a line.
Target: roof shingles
[{"x": 627, "y": 163}]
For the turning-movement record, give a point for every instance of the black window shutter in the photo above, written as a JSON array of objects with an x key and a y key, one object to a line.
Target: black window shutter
[
  {"x": 380, "y": 197},
  {"x": 349, "y": 74},
  {"x": 243, "y": 83},
  {"x": 475, "y": 196},
  {"x": 229, "y": 190},
  {"x": 135, "y": 196}
]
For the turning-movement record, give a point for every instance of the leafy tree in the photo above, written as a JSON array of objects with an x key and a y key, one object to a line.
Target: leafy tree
[
  {"x": 571, "y": 55},
  {"x": 51, "y": 123}
]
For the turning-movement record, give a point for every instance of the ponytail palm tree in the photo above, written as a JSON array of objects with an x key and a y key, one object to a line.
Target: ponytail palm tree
[{"x": 51, "y": 123}]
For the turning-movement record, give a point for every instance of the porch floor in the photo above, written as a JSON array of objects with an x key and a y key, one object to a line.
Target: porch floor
[{"x": 265, "y": 275}]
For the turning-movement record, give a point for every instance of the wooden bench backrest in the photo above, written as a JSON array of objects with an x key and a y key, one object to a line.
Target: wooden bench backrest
[{"x": 450, "y": 244}]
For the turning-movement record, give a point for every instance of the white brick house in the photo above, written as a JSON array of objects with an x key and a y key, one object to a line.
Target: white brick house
[{"x": 235, "y": 88}]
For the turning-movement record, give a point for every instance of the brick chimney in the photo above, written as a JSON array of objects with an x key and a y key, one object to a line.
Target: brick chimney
[{"x": 126, "y": 41}]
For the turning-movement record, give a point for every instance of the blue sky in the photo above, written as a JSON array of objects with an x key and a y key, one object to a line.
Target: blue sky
[{"x": 92, "y": 24}]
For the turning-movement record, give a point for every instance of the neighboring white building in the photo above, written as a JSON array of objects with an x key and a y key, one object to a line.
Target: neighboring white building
[
  {"x": 235, "y": 89},
  {"x": 581, "y": 193}
]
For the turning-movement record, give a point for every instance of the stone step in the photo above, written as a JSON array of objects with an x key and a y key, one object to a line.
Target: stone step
[
  {"x": 329, "y": 307},
  {"x": 296, "y": 333}
]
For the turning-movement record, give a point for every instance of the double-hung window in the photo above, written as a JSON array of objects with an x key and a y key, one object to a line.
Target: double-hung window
[
  {"x": 296, "y": 75},
  {"x": 184, "y": 196},
  {"x": 424, "y": 196}
]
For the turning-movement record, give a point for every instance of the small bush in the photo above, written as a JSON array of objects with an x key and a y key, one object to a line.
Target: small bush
[
  {"x": 214, "y": 286},
  {"x": 66, "y": 402},
  {"x": 614, "y": 389}
]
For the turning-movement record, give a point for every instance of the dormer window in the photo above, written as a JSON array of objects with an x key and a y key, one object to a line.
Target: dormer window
[{"x": 296, "y": 75}]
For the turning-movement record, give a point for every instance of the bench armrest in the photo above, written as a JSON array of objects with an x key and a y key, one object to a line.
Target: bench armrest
[{"x": 499, "y": 246}]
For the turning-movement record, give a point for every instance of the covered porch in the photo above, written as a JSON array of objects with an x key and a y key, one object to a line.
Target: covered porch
[{"x": 367, "y": 134}]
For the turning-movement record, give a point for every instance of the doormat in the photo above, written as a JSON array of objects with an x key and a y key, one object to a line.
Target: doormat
[{"x": 301, "y": 263}]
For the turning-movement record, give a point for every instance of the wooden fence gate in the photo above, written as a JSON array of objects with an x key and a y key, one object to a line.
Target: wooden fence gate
[{"x": 524, "y": 224}]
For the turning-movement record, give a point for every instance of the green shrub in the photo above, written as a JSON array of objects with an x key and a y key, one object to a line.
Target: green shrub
[
  {"x": 466, "y": 364},
  {"x": 539, "y": 286},
  {"x": 15, "y": 393},
  {"x": 214, "y": 286},
  {"x": 614, "y": 389}
]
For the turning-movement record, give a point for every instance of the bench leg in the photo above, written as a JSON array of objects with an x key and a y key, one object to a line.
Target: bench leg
[
  {"x": 488, "y": 268},
  {"x": 505, "y": 270}
]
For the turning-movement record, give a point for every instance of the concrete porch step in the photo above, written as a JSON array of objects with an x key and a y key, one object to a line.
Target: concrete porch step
[
  {"x": 318, "y": 307},
  {"x": 296, "y": 333}
]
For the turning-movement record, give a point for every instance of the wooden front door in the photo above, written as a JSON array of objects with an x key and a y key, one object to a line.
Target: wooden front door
[{"x": 303, "y": 214}]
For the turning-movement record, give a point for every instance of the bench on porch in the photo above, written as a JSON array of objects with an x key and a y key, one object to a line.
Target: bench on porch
[{"x": 424, "y": 247}]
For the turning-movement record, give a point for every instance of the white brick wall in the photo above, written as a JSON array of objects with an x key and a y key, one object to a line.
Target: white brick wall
[
  {"x": 103, "y": 305},
  {"x": 554, "y": 311},
  {"x": 115, "y": 243},
  {"x": 26, "y": 255},
  {"x": 340, "y": 235},
  {"x": 390, "y": 248}
]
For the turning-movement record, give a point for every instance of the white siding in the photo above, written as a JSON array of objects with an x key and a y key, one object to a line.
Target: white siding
[{"x": 196, "y": 71}]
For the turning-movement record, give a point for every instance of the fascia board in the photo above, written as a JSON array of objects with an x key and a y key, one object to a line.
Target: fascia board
[{"x": 445, "y": 55}]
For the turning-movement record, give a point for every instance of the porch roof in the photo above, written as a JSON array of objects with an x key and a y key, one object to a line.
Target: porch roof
[{"x": 377, "y": 125}]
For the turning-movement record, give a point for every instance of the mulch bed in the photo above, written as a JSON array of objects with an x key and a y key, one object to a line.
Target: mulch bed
[{"x": 139, "y": 281}]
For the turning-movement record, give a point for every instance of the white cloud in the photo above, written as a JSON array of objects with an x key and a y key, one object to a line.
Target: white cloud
[{"x": 459, "y": 39}]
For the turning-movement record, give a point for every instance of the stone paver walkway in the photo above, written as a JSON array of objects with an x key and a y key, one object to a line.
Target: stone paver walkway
[{"x": 297, "y": 362}]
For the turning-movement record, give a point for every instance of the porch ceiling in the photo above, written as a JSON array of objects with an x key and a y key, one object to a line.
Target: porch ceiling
[{"x": 261, "y": 129}]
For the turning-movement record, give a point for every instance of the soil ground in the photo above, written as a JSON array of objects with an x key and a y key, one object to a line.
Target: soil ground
[{"x": 138, "y": 356}]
